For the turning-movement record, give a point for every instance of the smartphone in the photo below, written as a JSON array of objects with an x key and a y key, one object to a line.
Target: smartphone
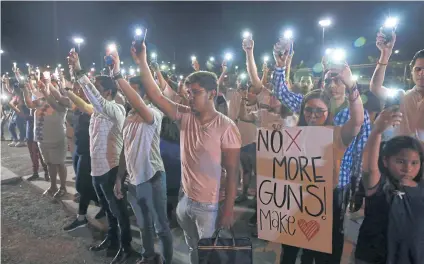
[
  {"x": 291, "y": 48},
  {"x": 139, "y": 39},
  {"x": 387, "y": 33},
  {"x": 393, "y": 101},
  {"x": 109, "y": 60}
]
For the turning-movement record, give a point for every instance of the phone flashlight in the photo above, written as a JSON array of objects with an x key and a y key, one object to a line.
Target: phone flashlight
[
  {"x": 139, "y": 38},
  {"x": 110, "y": 48},
  {"x": 181, "y": 77},
  {"x": 193, "y": 58},
  {"x": 228, "y": 56},
  {"x": 243, "y": 76},
  {"x": 288, "y": 34},
  {"x": 393, "y": 98},
  {"x": 247, "y": 34},
  {"x": 389, "y": 28},
  {"x": 266, "y": 59}
]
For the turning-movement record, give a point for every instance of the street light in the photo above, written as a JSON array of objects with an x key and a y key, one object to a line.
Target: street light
[
  {"x": 78, "y": 41},
  {"x": 324, "y": 23}
]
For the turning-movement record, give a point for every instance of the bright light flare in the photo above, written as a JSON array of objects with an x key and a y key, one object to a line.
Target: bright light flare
[
  {"x": 243, "y": 76},
  {"x": 132, "y": 71},
  {"x": 266, "y": 58},
  {"x": 181, "y": 77},
  {"x": 193, "y": 58},
  {"x": 138, "y": 32},
  {"x": 78, "y": 40},
  {"x": 396, "y": 51},
  {"x": 123, "y": 71},
  {"x": 288, "y": 34},
  {"x": 324, "y": 22},
  {"x": 247, "y": 34},
  {"x": 228, "y": 56},
  {"x": 111, "y": 47},
  {"x": 92, "y": 69},
  {"x": 391, "y": 22},
  {"x": 392, "y": 92},
  {"x": 212, "y": 59},
  {"x": 355, "y": 77}
]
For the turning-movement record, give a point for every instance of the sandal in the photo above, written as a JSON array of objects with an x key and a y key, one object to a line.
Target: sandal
[
  {"x": 62, "y": 191},
  {"x": 50, "y": 191}
]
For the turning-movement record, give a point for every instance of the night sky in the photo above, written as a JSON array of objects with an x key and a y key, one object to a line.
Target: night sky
[{"x": 29, "y": 29}]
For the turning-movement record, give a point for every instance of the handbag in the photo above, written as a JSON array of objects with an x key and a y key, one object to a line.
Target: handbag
[{"x": 232, "y": 250}]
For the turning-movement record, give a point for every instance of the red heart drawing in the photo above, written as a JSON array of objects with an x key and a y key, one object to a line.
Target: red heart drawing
[{"x": 309, "y": 229}]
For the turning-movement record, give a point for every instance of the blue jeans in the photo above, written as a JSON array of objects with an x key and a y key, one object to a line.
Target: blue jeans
[
  {"x": 198, "y": 220},
  {"x": 116, "y": 210},
  {"x": 17, "y": 121},
  {"x": 151, "y": 198}
]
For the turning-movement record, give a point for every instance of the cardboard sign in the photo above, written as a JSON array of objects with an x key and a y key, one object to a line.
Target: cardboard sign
[{"x": 295, "y": 186}]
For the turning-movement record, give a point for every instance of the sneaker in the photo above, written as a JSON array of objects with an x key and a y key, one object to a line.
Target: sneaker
[
  {"x": 76, "y": 224},
  {"x": 12, "y": 144},
  {"x": 20, "y": 144},
  {"x": 34, "y": 176},
  {"x": 46, "y": 175}
]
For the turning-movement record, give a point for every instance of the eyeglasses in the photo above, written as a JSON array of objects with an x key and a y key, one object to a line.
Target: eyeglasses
[{"x": 319, "y": 112}]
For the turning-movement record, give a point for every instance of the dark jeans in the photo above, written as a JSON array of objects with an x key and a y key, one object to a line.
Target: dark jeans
[
  {"x": 289, "y": 253},
  {"x": 116, "y": 210},
  {"x": 84, "y": 181},
  {"x": 17, "y": 121}
]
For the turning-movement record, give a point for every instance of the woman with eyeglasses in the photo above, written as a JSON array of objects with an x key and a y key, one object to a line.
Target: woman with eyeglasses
[{"x": 315, "y": 110}]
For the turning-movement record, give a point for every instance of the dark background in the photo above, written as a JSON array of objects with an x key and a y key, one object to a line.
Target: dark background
[{"x": 29, "y": 29}]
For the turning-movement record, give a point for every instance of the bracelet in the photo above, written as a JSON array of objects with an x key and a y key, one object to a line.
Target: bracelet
[
  {"x": 117, "y": 76},
  {"x": 383, "y": 64}
]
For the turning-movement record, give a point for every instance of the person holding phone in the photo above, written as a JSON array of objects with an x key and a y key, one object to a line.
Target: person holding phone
[
  {"x": 210, "y": 141},
  {"x": 106, "y": 144},
  {"x": 147, "y": 177},
  {"x": 410, "y": 103}
]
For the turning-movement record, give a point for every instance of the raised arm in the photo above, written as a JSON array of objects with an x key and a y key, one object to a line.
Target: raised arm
[
  {"x": 356, "y": 109},
  {"x": 223, "y": 73},
  {"x": 243, "y": 115},
  {"x": 377, "y": 79},
  {"x": 132, "y": 96},
  {"x": 107, "y": 108},
  {"x": 371, "y": 174},
  {"x": 152, "y": 89},
  {"x": 161, "y": 79},
  {"x": 252, "y": 70},
  {"x": 265, "y": 71},
  {"x": 64, "y": 101},
  {"x": 45, "y": 90},
  {"x": 28, "y": 100}
]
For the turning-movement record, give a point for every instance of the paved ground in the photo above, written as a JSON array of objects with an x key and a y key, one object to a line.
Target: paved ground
[{"x": 16, "y": 231}]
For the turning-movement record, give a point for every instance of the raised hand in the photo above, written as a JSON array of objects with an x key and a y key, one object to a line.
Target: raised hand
[
  {"x": 281, "y": 53},
  {"x": 344, "y": 74},
  {"x": 388, "y": 117},
  {"x": 141, "y": 56},
  {"x": 116, "y": 66},
  {"x": 73, "y": 61},
  {"x": 381, "y": 44},
  {"x": 248, "y": 44},
  {"x": 195, "y": 65}
]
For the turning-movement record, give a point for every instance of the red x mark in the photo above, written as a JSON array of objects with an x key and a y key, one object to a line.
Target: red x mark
[{"x": 293, "y": 140}]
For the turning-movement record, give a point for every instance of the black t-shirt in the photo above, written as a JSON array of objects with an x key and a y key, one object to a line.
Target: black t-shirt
[
  {"x": 393, "y": 229},
  {"x": 81, "y": 122}
]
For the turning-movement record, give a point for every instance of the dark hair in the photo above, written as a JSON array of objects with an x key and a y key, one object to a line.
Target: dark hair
[
  {"x": 418, "y": 55},
  {"x": 137, "y": 81},
  {"x": 108, "y": 84},
  {"x": 393, "y": 147},
  {"x": 205, "y": 79},
  {"x": 315, "y": 94},
  {"x": 285, "y": 111}
]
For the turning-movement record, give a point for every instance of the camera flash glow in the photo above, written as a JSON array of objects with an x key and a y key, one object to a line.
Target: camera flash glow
[
  {"x": 138, "y": 70},
  {"x": 392, "y": 92},
  {"x": 236, "y": 67},
  {"x": 163, "y": 67},
  {"x": 228, "y": 56},
  {"x": 138, "y": 32},
  {"x": 243, "y": 76},
  {"x": 355, "y": 77},
  {"x": 92, "y": 69},
  {"x": 27, "y": 64},
  {"x": 132, "y": 71},
  {"x": 181, "y": 77},
  {"x": 338, "y": 55},
  {"x": 111, "y": 47},
  {"x": 123, "y": 71},
  {"x": 212, "y": 59},
  {"x": 266, "y": 58},
  {"x": 154, "y": 55},
  {"x": 193, "y": 58}
]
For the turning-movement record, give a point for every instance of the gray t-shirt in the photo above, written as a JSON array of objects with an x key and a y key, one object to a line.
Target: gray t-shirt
[{"x": 49, "y": 124}]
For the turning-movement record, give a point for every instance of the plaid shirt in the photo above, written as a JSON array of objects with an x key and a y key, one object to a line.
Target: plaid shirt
[{"x": 352, "y": 160}]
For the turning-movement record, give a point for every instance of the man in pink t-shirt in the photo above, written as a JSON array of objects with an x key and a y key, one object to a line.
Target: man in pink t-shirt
[{"x": 209, "y": 142}]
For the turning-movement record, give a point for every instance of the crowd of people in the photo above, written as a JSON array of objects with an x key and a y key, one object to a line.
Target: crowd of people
[{"x": 127, "y": 132}]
